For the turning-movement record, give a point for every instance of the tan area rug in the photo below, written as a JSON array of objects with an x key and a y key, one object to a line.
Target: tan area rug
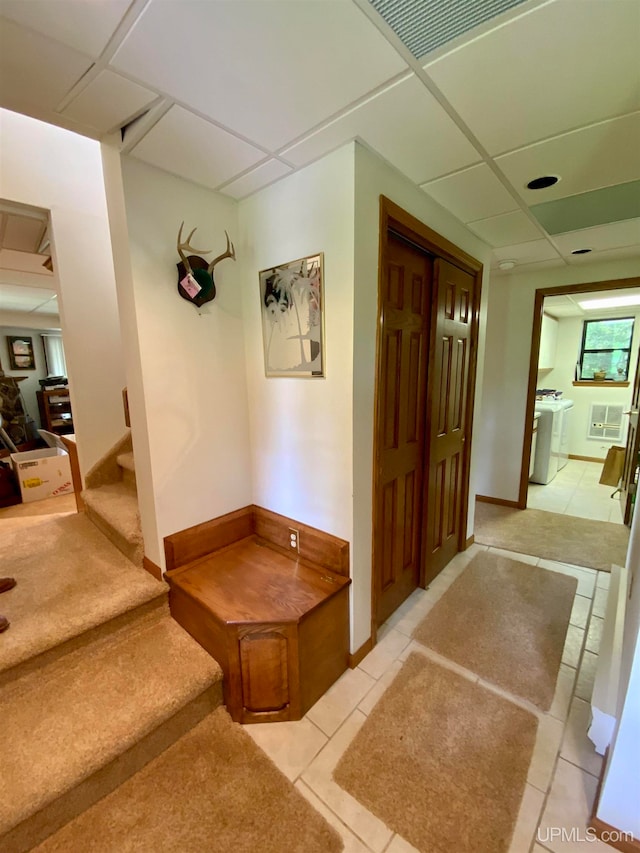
[
  {"x": 442, "y": 761},
  {"x": 506, "y": 621},
  {"x": 213, "y": 790},
  {"x": 564, "y": 538}
]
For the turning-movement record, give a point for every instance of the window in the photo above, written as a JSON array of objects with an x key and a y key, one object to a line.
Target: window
[
  {"x": 54, "y": 355},
  {"x": 604, "y": 354}
]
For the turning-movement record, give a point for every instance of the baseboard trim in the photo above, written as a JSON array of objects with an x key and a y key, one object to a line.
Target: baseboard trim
[
  {"x": 469, "y": 542},
  {"x": 485, "y": 499},
  {"x": 586, "y": 458},
  {"x": 152, "y": 568},
  {"x": 361, "y": 653}
]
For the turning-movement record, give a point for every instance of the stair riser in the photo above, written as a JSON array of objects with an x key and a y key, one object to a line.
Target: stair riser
[
  {"x": 84, "y": 639},
  {"x": 46, "y": 822},
  {"x": 129, "y": 477},
  {"x": 134, "y": 552}
]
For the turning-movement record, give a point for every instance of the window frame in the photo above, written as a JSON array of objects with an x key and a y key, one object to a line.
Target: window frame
[{"x": 627, "y": 350}]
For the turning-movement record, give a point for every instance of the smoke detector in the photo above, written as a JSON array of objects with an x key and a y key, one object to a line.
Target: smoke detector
[{"x": 506, "y": 265}]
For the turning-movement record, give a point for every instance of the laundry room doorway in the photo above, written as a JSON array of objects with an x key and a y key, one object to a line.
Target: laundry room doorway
[{"x": 583, "y": 375}]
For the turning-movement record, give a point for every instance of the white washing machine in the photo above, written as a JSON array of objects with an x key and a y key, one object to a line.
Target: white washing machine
[
  {"x": 563, "y": 457},
  {"x": 545, "y": 466}
]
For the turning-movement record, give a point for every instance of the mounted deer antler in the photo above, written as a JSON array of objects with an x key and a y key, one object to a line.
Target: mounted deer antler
[
  {"x": 185, "y": 246},
  {"x": 195, "y": 276},
  {"x": 230, "y": 253}
]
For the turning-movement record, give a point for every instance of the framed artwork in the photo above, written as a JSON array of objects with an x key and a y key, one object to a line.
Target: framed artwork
[
  {"x": 21, "y": 353},
  {"x": 292, "y": 308}
]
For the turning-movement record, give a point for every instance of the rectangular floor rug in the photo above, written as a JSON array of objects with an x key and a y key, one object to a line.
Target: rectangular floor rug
[
  {"x": 507, "y": 622},
  {"x": 442, "y": 761},
  {"x": 564, "y": 538}
]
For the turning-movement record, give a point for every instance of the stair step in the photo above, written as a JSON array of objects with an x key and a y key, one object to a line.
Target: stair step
[
  {"x": 126, "y": 460},
  {"x": 71, "y": 581},
  {"x": 114, "y": 509},
  {"x": 213, "y": 790},
  {"x": 76, "y": 729}
]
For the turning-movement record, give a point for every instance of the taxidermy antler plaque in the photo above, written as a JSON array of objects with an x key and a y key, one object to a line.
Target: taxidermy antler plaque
[{"x": 195, "y": 275}]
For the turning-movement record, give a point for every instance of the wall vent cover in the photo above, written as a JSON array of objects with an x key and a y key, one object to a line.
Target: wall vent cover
[
  {"x": 605, "y": 422},
  {"x": 424, "y": 25}
]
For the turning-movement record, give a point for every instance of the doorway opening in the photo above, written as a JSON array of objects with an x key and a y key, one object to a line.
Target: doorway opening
[
  {"x": 428, "y": 307},
  {"x": 583, "y": 380}
]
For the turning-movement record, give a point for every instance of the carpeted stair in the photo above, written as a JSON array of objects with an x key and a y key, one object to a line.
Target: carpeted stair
[
  {"x": 111, "y": 500},
  {"x": 96, "y": 678}
]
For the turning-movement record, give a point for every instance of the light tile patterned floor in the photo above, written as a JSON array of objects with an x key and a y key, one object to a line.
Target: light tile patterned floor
[
  {"x": 562, "y": 778},
  {"x": 575, "y": 490}
]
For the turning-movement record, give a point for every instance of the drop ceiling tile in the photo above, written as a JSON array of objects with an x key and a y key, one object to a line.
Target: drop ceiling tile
[
  {"x": 269, "y": 71},
  {"x": 108, "y": 102},
  {"x": 559, "y": 66},
  {"x": 506, "y": 229},
  {"x": 527, "y": 253},
  {"x": 189, "y": 146},
  {"x": 23, "y": 233},
  {"x": 602, "y": 237},
  {"x": 85, "y": 26},
  {"x": 471, "y": 194},
  {"x": 404, "y": 124},
  {"x": 256, "y": 179},
  {"x": 529, "y": 267},
  {"x": 35, "y": 72},
  {"x": 601, "y": 155},
  {"x": 13, "y": 297},
  {"x": 619, "y": 254}
]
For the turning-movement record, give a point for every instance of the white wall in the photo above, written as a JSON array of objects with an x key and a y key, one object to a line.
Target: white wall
[
  {"x": 375, "y": 178},
  {"x": 188, "y": 393},
  {"x": 561, "y": 377},
  {"x": 301, "y": 428},
  {"x": 55, "y": 169},
  {"x": 619, "y": 798},
  {"x": 500, "y": 432}
]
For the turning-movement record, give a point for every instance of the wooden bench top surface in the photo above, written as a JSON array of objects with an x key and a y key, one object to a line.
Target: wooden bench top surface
[{"x": 251, "y": 582}]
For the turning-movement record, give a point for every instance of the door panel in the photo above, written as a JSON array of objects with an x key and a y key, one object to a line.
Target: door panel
[
  {"x": 627, "y": 484},
  {"x": 453, "y": 292},
  {"x": 402, "y": 383}
]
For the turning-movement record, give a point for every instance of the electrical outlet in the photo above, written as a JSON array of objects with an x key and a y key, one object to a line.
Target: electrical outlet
[{"x": 294, "y": 539}]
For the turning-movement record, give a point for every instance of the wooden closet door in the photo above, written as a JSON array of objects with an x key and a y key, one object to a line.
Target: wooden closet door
[
  {"x": 403, "y": 344},
  {"x": 453, "y": 301}
]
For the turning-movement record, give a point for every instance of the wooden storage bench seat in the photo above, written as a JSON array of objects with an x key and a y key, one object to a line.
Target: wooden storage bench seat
[{"x": 278, "y": 625}]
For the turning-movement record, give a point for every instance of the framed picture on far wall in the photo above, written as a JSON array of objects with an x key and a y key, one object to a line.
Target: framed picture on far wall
[
  {"x": 21, "y": 353},
  {"x": 292, "y": 308}
]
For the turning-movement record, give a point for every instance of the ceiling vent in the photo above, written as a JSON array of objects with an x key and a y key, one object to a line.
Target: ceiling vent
[{"x": 424, "y": 25}]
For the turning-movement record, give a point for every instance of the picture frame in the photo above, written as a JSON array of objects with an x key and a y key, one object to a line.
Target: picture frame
[
  {"x": 292, "y": 311},
  {"x": 21, "y": 356}
]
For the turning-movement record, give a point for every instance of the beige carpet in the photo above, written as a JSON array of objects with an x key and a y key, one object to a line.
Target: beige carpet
[
  {"x": 564, "y": 538},
  {"x": 506, "y": 621},
  {"x": 51, "y": 560},
  {"x": 442, "y": 761},
  {"x": 211, "y": 792}
]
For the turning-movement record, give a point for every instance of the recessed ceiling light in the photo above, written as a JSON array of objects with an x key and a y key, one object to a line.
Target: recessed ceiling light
[
  {"x": 610, "y": 302},
  {"x": 543, "y": 182},
  {"x": 581, "y": 251},
  {"x": 506, "y": 265}
]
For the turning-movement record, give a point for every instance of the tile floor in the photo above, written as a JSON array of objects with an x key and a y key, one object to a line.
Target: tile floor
[
  {"x": 564, "y": 769},
  {"x": 575, "y": 490}
]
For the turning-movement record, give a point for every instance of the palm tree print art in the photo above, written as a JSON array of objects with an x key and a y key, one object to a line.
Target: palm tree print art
[{"x": 291, "y": 303}]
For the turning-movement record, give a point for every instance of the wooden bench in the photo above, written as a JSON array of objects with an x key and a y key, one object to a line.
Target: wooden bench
[{"x": 276, "y": 621}]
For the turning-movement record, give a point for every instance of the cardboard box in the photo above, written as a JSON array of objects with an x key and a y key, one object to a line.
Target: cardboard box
[{"x": 42, "y": 473}]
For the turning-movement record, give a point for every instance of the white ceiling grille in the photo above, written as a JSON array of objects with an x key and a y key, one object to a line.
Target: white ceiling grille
[
  {"x": 424, "y": 25},
  {"x": 605, "y": 421}
]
